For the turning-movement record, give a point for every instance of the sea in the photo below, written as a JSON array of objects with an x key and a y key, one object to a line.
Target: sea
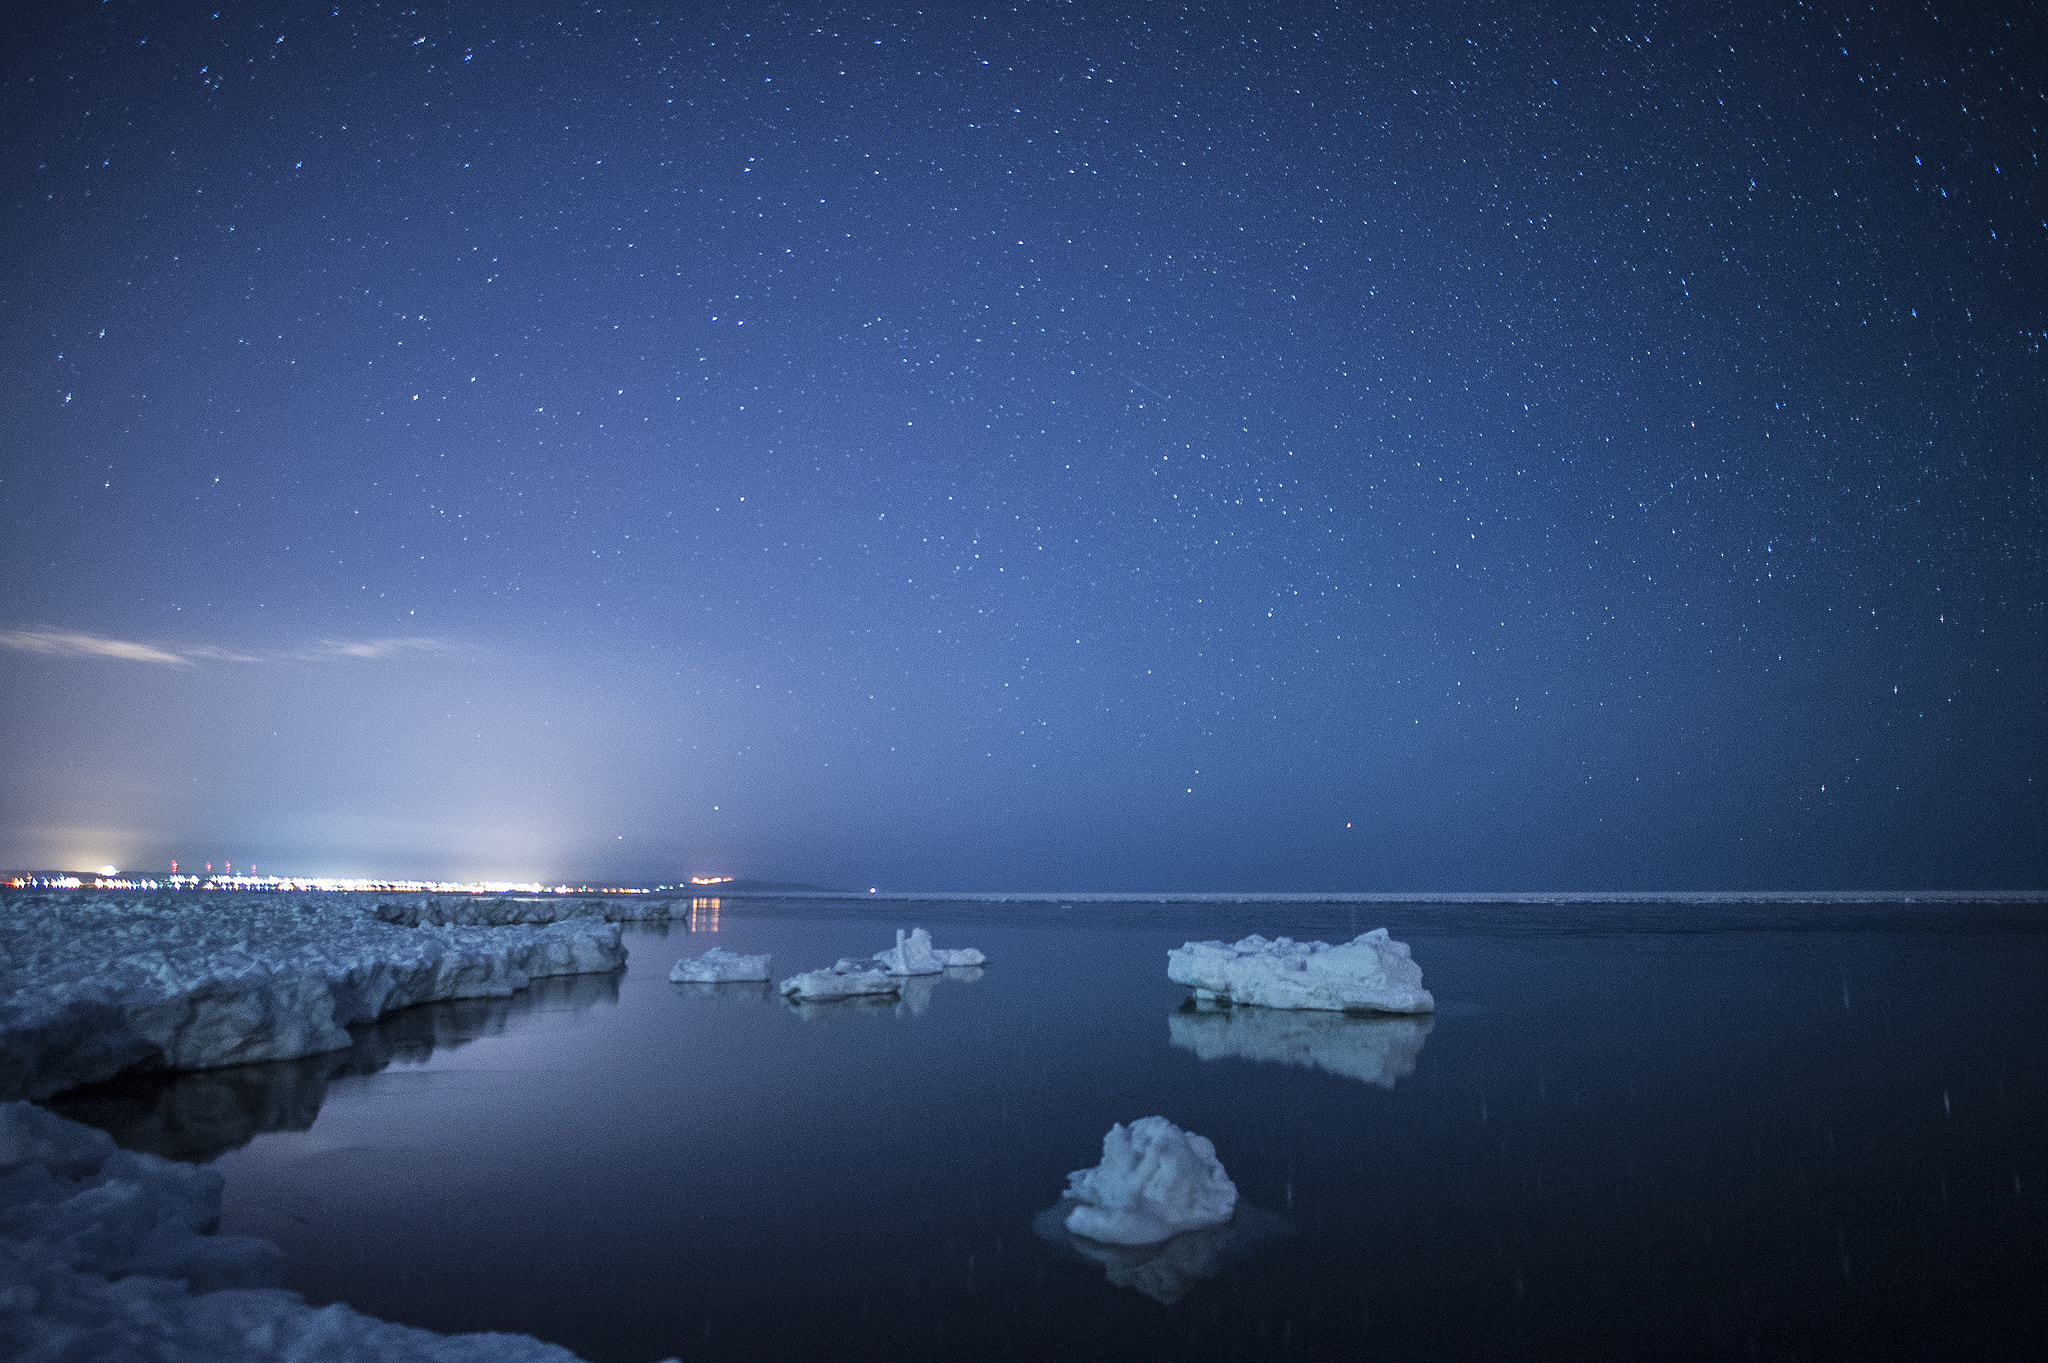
[{"x": 1670, "y": 1130}]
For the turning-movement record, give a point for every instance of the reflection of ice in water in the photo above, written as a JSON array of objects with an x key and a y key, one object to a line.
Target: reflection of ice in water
[
  {"x": 1372, "y": 1050},
  {"x": 844, "y": 1010},
  {"x": 728, "y": 991},
  {"x": 912, "y": 1001},
  {"x": 917, "y": 989},
  {"x": 200, "y": 1114},
  {"x": 1165, "y": 1271}
]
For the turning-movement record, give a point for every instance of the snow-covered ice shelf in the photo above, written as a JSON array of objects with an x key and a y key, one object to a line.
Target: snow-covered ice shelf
[
  {"x": 91, "y": 984},
  {"x": 1372, "y": 1050},
  {"x": 1370, "y": 973}
]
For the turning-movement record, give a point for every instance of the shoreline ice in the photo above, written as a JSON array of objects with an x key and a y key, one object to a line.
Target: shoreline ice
[
  {"x": 1370, "y": 973},
  {"x": 93, "y": 984},
  {"x": 497, "y": 911},
  {"x": 106, "y": 1254}
]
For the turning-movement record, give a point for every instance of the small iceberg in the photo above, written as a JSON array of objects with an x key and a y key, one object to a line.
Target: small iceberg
[
  {"x": 914, "y": 954},
  {"x": 1155, "y": 1181},
  {"x": 719, "y": 966},
  {"x": 1371, "y": 973},
  {"x": 1372, "y": 1050},
  {"x": 847, "y": 980}
]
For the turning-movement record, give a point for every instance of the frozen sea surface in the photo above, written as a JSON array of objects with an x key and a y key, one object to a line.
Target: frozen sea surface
[{"x": 1628, "y": 1131}]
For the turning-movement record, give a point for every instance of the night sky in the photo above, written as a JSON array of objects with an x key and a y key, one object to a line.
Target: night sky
[{"x": 1419, "y": 446}]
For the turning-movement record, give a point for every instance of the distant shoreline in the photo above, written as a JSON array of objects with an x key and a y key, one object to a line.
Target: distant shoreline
[{"x": 1477, "y": 897}]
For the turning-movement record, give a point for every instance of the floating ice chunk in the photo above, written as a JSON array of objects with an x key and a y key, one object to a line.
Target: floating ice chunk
[
  {"x": 848, "y": 979},
  {"x": 1372, "y": 1050},
  {"x": 914, "y": 954},
  {"x": 1155, "y": 1181},
  {"x": 719, "y": 966},
  {"x": 1370, "y": 973}
]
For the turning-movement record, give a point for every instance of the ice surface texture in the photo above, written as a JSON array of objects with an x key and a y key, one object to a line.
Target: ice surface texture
[
  {"x": 719, "y": 966},
  {"x": 1370, "y": 973},
  {"x": 914, "y": 954},
  {"x": 1372, "y": 1050},
  {"x": 848, "y": 979},
  {"x": 93, "y": 983},
  {"x": 103, "y": 1255},
  {"x": 1154, "y": 1182},
  {"x": 482, "y": 911}
]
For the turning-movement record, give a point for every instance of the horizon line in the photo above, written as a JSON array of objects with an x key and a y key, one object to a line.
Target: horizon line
[{"x": 1398, "y": 896}]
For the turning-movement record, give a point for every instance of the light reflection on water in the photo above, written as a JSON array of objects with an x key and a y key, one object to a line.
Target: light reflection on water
[{"x": 1802, "y": 1131}]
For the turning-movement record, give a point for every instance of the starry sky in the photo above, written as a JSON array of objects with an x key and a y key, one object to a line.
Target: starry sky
[{"x": 1403, "y": 446}]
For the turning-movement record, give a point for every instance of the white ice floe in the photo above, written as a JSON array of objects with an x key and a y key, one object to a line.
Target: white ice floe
[
  {"x": 1155, "y": 1181},
  {"x": 1370, "y": 973},
  {"x": 1372, "y": 1050},
  {"x": 914, "y": 954},
  {"x": 848, "y": 979},
  {"x": 91, "y": 984},
  {"x": 103, "y": 1255},
  {"x": 719, "y": 966}
]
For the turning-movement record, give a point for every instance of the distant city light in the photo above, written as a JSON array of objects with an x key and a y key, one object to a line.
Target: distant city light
[
  {"x": 710, "y": 880},
  {"x": 110, "y": 879}
]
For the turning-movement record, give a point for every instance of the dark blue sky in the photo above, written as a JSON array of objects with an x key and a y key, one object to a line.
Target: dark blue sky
[{"x": 1299, "y": 446}]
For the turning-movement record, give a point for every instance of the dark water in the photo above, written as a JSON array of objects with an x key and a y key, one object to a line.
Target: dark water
[{"x": 1714, "y": 1132}]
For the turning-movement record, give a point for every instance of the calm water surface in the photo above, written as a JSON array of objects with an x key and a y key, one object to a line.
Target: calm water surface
[{"x": 1710, "y": 1132}]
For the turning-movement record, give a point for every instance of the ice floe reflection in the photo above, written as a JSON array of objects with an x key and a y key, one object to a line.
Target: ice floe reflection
[
  {"x": 1167, "y": 1271},
  {"x": 912, "y": 999},
  {"x": 1372, "y": 1050},
  {"x": 197, "y": 1115},
  {"x": 726, "y": 991}
]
